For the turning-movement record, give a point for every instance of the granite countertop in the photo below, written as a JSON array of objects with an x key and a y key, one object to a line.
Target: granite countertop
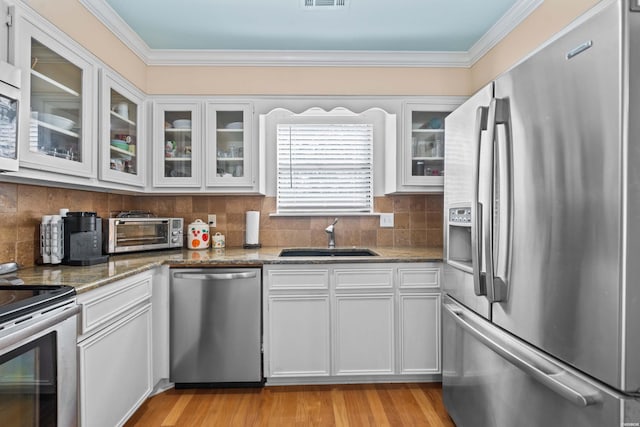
[{"x": 120, "y": 266}]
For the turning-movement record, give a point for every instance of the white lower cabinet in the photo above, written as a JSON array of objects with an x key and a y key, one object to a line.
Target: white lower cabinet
[
  {"x": 341, "y": 322},
  {"x": 419, "y": 333},
  {"x": 115, "y": 351},
  {"x": 300, "y": 335},
  {"x": 364, "y": 334}
]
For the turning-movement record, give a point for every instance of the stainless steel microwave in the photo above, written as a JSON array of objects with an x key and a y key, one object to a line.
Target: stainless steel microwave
[{"x": 142, "y": 234}]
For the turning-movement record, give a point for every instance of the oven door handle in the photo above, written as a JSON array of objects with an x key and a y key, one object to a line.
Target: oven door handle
[{"x": 29, "y": 331}]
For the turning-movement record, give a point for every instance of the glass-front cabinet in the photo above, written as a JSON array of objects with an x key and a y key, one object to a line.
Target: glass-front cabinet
[
  {"x": 121, "y": 132},
  {"x": 177, "y": 145},
  {"x": 57, "y": 102},
  {"x": 427, "y": 144},
  {"x": 420, "y": 151},
  {"x": 229, "y": 153}
]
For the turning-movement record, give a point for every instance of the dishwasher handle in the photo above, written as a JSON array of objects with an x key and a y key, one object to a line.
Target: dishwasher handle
[{"x": 216, "y": 276}]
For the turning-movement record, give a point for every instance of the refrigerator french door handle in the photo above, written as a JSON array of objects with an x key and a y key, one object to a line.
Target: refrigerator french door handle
[
  {"x": 487, "y": 216},
  {"x": 560, "y": 381},
  {"x": 479, "y": 285},
  {"x": 502, "y": 240},
  {"x": 216, "y": 276}
]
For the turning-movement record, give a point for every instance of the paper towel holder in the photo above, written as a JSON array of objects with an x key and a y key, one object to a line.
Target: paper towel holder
[{"x": 255, "y": 226}]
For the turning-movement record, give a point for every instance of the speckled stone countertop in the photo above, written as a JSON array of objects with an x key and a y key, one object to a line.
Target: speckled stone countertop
[{"x": 120, "y": 266}]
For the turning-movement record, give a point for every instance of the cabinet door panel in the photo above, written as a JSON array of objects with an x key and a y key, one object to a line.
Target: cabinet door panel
[
  {"x": 122, "y": 137},
  {"x": 299, "y": 336},
  {"x": 229, "y": 148},
  {"x": 177, "y": 145},
  {"x": 419, "y": 334},
  {"x": 364, "y": 334},
  {"x": 57, "y": 127},
  {"x": 115, "y": 370}
]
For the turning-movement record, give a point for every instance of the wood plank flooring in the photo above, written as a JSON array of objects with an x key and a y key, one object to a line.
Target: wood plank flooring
[{"x": 322, "y": 405}]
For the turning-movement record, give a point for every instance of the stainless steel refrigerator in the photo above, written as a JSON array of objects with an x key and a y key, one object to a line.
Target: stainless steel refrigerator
[{"x": 541, "y": 312}]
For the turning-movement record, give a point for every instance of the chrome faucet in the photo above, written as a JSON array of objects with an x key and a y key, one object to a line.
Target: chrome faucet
[{"x": 330, "y": 230}]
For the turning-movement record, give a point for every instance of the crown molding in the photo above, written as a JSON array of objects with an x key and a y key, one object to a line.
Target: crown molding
[
  {"x": 509, "y": 21},
  {"x": 312, "y": 58}
]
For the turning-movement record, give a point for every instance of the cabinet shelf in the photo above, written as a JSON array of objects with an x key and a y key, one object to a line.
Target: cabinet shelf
[
  {"x": 57, "y": 129},
  {"x": 122, "y": 118},
  {"x": 54, "y": 83},
  {"x": 230, "y": 159},
  {"x": 427, "y": 130},
  {"x": 429, "y": 159},
  {"x": 225, "y": 130},
  {"x": 177, "y": 159},
  {"x": 121, "y": 151},
  {"x": 177, "y": 130}
]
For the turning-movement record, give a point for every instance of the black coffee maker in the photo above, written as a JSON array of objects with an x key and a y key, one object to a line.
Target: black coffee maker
[{"x": 83, "y": 239}]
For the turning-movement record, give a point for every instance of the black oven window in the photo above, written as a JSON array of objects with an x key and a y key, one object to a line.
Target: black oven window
[{"x": 28, "y": 384}]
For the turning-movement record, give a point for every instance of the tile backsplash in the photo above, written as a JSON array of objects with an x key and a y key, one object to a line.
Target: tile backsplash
[{"x": 417, "y": 218}]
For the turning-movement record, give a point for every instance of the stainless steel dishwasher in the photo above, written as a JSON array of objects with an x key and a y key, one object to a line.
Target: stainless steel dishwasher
[{"x": 215, "y": 327}]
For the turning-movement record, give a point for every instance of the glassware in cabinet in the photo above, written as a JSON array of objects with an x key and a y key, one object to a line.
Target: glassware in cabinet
[
  {"x": 178, "y": 146},
  {"x": 123, "y": 134}
]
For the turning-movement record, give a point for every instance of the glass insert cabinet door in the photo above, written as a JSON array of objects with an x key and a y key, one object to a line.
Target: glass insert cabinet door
[
  {"x": 228, "y": 144},
  {"x": 177, "y": 145},
  {"x": 427, "y": 143},
  {"x": 58, "y": 127},
  {"x": 56, "y": 105},
  {"x": 121, "y": 131}
]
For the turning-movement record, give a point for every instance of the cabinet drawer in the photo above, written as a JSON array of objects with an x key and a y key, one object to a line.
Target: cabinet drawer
[
  {"x": 377, "y": 278},
  {"x": 419, "y": 278},
  {"x": 298, "y": 279},
  {"x": 105, "y": 304}
]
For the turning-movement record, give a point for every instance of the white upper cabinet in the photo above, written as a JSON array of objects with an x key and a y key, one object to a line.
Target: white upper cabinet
[
  {"x": 177, "y": 144},
  {"x": 58, "y": 130},
  {"x": 419, "y": 166},
  {"x": 229, "y": 147},
  {"x": 122, "y": 137}
]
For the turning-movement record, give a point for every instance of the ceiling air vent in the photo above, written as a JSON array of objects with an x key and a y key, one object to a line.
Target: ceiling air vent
[{"x": 323, "y": 4}]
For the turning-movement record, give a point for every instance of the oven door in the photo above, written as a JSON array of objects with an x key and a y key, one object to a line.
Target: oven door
[
  {"x": 138, "y": 234},
  {"x": 38, "y": 365}
]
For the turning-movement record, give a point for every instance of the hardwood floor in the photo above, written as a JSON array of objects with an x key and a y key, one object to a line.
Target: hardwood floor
[{"x": 326, "y": 405}]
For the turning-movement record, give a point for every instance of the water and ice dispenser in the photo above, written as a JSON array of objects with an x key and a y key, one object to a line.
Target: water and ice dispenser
[{"x": 459, "y": 236}]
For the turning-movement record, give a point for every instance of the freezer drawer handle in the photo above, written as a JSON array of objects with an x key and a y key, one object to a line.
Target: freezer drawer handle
[
  {"x": 542, "y": 370},
  {"x": 216, "y": 276}
]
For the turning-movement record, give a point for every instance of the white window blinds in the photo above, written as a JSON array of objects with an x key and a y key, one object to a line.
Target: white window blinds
[{"x": 325, "y": 168}]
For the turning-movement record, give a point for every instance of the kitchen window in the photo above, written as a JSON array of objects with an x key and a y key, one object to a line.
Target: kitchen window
[
  {"x": 325, "y": 168},
  {"x": 325, "y": 163}
]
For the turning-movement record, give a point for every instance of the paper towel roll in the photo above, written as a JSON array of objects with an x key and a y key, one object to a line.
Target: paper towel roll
[{"x": 252, "y": 229}]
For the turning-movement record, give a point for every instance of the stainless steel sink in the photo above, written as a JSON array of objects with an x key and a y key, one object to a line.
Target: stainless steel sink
[{"x": 323, "y": 252}]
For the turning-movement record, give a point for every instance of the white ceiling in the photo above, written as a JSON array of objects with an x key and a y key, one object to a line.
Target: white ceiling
[{"x": 387, "y": 32}]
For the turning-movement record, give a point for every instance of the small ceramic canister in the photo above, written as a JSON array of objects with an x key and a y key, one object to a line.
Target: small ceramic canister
[
  {"x": 198, "y": 235},
  {"x": 218, "y": 240}
]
